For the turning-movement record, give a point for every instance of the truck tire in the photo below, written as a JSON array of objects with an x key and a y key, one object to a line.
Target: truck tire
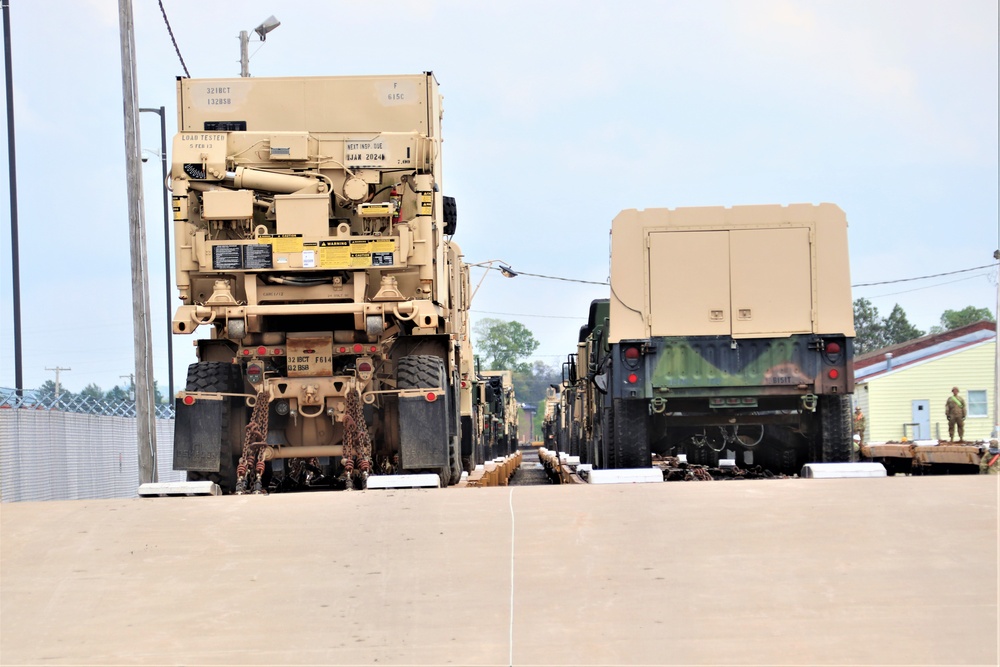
[
  {"x": 222, "y": 376},
  {"x": 422, "y": 371},
  {"x": 630, "y": 440},
  {"x": 835, "y": 428}
]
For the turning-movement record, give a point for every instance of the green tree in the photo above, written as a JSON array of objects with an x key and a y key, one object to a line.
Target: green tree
[
  {"x": 953, "y": 319},
  {"x": 117, "y": 394},
  {"x": 898, "y": 329},
  {"x": 504, "y": 345},
  {"x": 92, "y": 391},
  {"x": 868, "y": 326}
]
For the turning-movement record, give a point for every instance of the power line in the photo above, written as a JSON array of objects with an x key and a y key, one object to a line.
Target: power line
[
  {"x": 538, "y": 275},
  {"x": 934, "y": 275},
  {"x": 171, "y": 32},
  {"x": 551, "y": 317},
  {"x": 918, "y": 289}
]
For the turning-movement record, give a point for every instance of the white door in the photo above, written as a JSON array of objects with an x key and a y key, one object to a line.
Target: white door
[{"x": 922, "y": 419}]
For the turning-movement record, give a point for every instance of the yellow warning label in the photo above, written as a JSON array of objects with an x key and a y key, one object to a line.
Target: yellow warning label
[
  {"x": 282, "y": 242},
  {"x": 356, "y": 254},
  {"x": 426, "y": 203}
]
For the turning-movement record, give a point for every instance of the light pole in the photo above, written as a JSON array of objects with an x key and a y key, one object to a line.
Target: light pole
[
  {"x": 166, "y": 244},
  {"x": 269, "y": 24}
]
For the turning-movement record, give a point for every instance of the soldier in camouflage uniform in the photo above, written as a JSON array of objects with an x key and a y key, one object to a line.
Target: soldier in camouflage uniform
[
  {"x": 954, "y": 410},
  {"x": 989, "y": 464},
  {"x": 859, "y": 424}
]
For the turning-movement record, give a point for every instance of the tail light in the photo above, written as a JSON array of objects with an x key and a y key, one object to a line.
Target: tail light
[
  {"x": 632, "y": 378},
  {"x": 631, "y": 353}
]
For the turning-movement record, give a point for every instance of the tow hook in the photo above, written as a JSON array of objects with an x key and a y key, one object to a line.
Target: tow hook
[{"x": 809, "y": 402}]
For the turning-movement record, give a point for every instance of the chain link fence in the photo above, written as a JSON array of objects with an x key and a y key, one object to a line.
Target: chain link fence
[{"x": 75, "y": 447}]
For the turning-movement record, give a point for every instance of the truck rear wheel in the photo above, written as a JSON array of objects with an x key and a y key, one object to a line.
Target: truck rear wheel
[
  {"x": 426, "y": 371},
  {"x": 222, "y": 376},
  {"x": 835, "y": 428},
  {"x": 630, "y": 440}
]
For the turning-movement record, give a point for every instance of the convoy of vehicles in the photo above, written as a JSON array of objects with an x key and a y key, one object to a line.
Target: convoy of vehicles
[{"x": 314, "y": 243}]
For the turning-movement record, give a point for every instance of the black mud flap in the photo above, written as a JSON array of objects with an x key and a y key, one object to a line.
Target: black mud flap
[
  {"x": 198, "y": 436},
  {"x": 423, "y": 433},
  {"x": 467, "y": 436}
]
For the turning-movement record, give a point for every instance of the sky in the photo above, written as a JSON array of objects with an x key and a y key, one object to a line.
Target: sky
[{"x": 558, "y": 115}]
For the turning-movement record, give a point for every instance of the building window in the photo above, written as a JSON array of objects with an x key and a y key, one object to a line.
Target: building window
[{"x": 977, "y": 403}]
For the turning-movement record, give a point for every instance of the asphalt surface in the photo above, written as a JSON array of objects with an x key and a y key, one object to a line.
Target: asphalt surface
[{"x": 893, "y": 571}]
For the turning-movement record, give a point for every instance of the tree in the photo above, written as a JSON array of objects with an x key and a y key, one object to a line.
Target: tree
[
  {"x": 504, "y": 345},
  {"x": 92, "y": 391},
  {"x": 868, "y": 326},
  {"x": 875, "y": 332},
  {"x": 898, "y": 329},
  {"x": 953, "y": 319}
]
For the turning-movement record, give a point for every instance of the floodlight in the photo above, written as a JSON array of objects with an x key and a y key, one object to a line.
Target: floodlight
[{"x": 269, "y": 24}]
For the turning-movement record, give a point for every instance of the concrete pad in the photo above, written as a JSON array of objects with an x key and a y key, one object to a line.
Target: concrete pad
[{"x": 896, "y": 570}]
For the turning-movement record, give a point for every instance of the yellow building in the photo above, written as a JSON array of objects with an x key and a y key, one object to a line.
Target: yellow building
[{"x": 902, "y": 389}]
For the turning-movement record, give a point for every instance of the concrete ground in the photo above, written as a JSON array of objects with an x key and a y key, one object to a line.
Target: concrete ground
[{"x": 893, "y": 571}]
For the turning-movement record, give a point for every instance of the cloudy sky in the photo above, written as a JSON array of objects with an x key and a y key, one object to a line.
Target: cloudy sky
[{"x": 557, "y": 116}]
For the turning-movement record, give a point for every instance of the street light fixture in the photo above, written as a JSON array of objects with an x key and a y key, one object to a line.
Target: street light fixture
[
  {"x": 269, "y": 24},
  {"x": 504, "y": 270}
]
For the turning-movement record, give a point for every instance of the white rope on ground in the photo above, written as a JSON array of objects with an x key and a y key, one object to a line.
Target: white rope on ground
[{"x": 511, "y": 502}]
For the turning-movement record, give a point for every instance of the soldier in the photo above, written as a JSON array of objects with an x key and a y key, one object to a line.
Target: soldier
[
  {"x": 859, "y": 425},
  {"x": 954, "y": 410},
  {"x": 989, "y": 464}
]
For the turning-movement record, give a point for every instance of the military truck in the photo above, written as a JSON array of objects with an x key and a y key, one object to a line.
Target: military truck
[
  {"x": 500, "y": 414},
  {"x": 730, "y": 336},
  {"x": 313, "y": 243}
]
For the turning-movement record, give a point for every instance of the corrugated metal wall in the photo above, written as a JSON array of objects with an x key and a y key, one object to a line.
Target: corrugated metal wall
[{"x": 55, "y": 455}]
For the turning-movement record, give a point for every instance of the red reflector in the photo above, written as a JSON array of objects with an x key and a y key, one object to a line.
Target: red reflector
[
  {"x": 188, "y": 400},
  {"x": 364, "y": 367},
  {"x": 373, "y": 349},
  {"x": 358, "y": 348},
  {"x": 833, "y": 348},
  {"x": 633, "y": 378},
  {"x": 431, "y": 397},
  {"x": 277, "y": 352},
  {"x": 834, "y": 374},
  {"x": 631, "y": 353},
  {"x": 343, "y": 349},
  {"x": 246, "y": 353},
  {"x": 464, "y": 384},
  {"x": 262, "y": 350},
  {"x": 253, "y": 370}
]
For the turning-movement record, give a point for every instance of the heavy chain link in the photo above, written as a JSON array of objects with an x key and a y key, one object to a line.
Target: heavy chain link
[
  {"x": 357, "y": 442},
  {"x": 250, "y": 471}
]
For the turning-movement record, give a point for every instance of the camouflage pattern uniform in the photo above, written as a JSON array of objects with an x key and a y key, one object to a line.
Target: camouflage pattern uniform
[
  {"x": 954, "y": 410},
  {"x": 859, "y": 425},
  {"x": 989, "y": 464}
]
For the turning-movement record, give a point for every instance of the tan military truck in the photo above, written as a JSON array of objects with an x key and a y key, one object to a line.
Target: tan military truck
[
  {"x": 313, "y": 243},
  {"x": 731, "y": 336},
  {"x": 500, "y": 411}
]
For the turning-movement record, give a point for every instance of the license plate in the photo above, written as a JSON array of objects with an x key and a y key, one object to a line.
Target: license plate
[{"x": 309, "y": 355}]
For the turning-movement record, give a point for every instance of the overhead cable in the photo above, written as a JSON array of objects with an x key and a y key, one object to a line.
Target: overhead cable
[{"x": 176, "y": 48}]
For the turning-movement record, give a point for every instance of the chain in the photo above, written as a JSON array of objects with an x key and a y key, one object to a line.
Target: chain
[
  {"x": 357, "y": 442},
  {"x": 250, "y": 471}
]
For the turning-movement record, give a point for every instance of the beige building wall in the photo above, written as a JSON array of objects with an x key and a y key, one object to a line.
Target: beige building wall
[{"x": 887, "y": 400}]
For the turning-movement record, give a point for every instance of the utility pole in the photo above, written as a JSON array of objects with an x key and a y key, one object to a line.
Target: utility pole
[
  {"x": 57, "y": 369},
  {"x": 142, "y": 334},
  {"x": 15, "y": 262},
  {"x": 131, "y": 385},
  {"x": 244, "y": 57}
]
